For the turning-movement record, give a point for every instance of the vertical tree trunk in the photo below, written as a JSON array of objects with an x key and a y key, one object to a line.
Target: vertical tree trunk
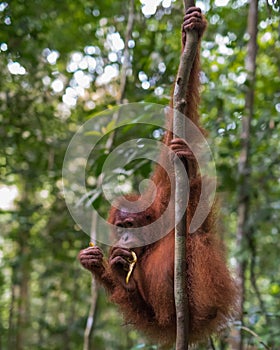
[
  {"x": 181, "y": 229},
  {"x": 11, "y": 329},
  {"x": 94, "y": 289},
  {"x": 23, "y": 270},
  {"x": 244, "y": 168},
  {"x": 23, "y": 297}
]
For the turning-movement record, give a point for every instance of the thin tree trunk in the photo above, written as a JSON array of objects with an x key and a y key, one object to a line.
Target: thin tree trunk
[
  {"x": 11, "y": 330},
  {"x": 244, "y": 167},
  {"x": 109, "y": 144},
  {"x": 94, "y": 290},
  {"x": 181, "y": 229},
  {"x": 23, "y": 298}
]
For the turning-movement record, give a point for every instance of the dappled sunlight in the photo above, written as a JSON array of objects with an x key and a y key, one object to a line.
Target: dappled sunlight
[
  {"x": 79, "y": 61},
  {"x": 16, "y": 69},
  {"x": 57, "y": 85},
  {"x": 221, "y": 2},
  {"x": 110, "y": 72},
  {"x": 149, "y": 7},
  {"x": 8, "y": 195},
  {"x": 3, "y": 47}
]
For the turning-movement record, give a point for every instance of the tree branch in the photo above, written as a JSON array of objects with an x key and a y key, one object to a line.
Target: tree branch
[{"x": 181, "y": 229}]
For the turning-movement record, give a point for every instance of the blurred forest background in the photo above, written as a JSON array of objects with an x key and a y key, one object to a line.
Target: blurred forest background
[{"x": 61, "y": 62}]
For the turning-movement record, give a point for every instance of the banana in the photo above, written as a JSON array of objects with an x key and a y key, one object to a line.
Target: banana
[{"x": 132, "y": 263}]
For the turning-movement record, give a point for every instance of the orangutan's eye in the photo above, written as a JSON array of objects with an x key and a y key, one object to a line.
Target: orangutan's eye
[{"x": 148, "y": 218}]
